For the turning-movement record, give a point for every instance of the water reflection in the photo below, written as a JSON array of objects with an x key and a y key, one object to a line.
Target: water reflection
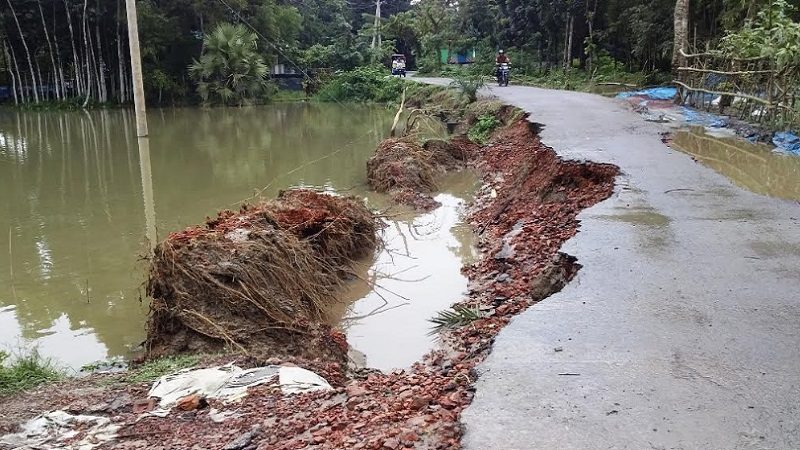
[
  {"x": 83, "y": 200},
  {"x": 417, "y": 275},
  {"x": 752, "y": 166}
]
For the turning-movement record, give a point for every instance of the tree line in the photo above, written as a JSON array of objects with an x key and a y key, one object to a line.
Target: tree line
[{"x": 76, "y": 50}]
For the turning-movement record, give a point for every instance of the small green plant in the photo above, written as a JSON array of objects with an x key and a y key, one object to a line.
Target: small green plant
[
  {"x": 25, "y": 372},
  {"x": 454, "y": 317},
  {"x": 469, "y": 86},
  {"x": 156, "y": 368},
  {"x": 483, "y": 128}
]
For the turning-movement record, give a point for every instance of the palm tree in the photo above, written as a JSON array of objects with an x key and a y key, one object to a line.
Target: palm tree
[{"x": 230, "y": 70}]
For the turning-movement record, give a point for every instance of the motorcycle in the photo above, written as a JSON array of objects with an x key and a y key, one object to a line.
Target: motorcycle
[{"x": 503, "y": 71}]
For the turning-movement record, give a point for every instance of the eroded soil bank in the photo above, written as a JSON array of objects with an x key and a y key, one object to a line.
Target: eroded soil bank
[{"x": 526, "y": 209}]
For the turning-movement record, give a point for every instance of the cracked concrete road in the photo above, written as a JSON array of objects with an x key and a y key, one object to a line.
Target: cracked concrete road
[{"x": 682, "y": 329}]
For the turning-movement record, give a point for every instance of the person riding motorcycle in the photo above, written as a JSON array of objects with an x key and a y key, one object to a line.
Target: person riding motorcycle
[{"x": 501, "y": 58}]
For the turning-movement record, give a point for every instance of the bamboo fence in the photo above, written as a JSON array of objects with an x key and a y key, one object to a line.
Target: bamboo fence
[{"x": 755, "y": 90}]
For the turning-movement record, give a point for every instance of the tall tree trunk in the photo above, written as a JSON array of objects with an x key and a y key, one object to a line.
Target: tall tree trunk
[
  {"x": 20, "y": 80},
  {"x": 568, "y": 42},
  {"x": 7, "y": 61},
  {"x": 86, "y": 50},
  {"x": 101, "y": 62},
  {"x": 75, "y": 60},
  {"x": 50, "y": 48},
  {"x": 27, "y": 52},
  {"x": 43, "y": 91},
  {"x": 62, "y": 82},
  {"x": 681, "y": 39},
  {"x": 590, "y": 25},
  {"x": 120, "y": 60}
]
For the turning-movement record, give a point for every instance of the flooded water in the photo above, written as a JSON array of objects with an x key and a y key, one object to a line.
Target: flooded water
[
  {"x": 79, "y": 200},
  {"x": 755, "y": 167}
]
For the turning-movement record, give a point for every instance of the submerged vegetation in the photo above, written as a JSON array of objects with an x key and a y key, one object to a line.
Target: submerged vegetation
[{"x": 25, "y": 372}]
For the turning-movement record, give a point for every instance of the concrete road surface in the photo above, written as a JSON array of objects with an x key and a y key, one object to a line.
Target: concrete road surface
[{"x": 682, "y": 330}]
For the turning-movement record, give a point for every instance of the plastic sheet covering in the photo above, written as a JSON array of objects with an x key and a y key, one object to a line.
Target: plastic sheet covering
[
  {"x": 230, "y": 383},
  {"x": 656, "y": 93},
  {"x": 62, "y": 430},
  {"x": 788, "y": 142}
]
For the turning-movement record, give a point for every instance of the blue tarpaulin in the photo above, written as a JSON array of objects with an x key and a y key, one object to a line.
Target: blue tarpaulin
[
  {"x": 705, "y": 119},
  {"x": 787, "y": 141},
  {"x": 656, "y": 93}
]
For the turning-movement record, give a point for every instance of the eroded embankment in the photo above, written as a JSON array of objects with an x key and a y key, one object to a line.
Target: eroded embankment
[
  {"x": 525, "y": 211},
  {"x": 259, "y": 280}
]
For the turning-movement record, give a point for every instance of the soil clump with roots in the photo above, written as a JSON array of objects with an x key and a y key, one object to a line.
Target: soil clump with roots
[
  {"x": 260, "y": 277},
  {"x": 408, "y": 171}
]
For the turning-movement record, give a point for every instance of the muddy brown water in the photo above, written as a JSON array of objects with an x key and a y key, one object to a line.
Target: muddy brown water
[
  {"x": 77, "y": 208},
  {"x": 755, "y": 167}
]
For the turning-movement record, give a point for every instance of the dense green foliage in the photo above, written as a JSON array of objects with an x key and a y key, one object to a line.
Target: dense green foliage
[
  {"x": 230, "y": 70},
  {"x": 772, "y": 34},
  {"x": 363, "y": 84},
  {"x": 24, "y": 372},
  {"x": 77, "y": 49}
]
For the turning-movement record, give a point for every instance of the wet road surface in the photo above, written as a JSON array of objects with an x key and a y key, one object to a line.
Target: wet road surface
[{"x": 682, "y": 329}]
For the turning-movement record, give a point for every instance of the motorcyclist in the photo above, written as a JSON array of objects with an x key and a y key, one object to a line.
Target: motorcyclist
[{"x": 501, "y": 58}]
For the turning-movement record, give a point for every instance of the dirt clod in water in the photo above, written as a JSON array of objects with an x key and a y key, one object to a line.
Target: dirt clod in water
[
  {"x": 258, "y": 278},
  {"x": 408, "y": 171}
]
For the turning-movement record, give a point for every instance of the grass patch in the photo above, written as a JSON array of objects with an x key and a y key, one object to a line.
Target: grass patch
[
  {"x": 152, "y": 370},
  {"x": 455, "y": 317},
  {"x": 480, "y": 132},
  {"x": 25, "y": 372},
  {"x": 285, "y": 95}
]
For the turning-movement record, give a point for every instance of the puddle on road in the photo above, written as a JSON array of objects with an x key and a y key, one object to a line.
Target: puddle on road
[
  {"x": 653, "y": 231},
  {"x": 754, "y": 167},
  {"x": 646, "y": 217}
]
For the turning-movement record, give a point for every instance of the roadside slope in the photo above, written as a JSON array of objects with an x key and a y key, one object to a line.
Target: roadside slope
[{"x": 680, "y": 331}]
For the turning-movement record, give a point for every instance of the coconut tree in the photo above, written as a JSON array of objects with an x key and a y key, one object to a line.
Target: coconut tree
[{"x": 230, "y": 70}]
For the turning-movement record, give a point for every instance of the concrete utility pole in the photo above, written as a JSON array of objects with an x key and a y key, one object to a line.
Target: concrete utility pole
[
  {"x": 136, "y": 69},
  {"x": 376, "y": 33}
]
